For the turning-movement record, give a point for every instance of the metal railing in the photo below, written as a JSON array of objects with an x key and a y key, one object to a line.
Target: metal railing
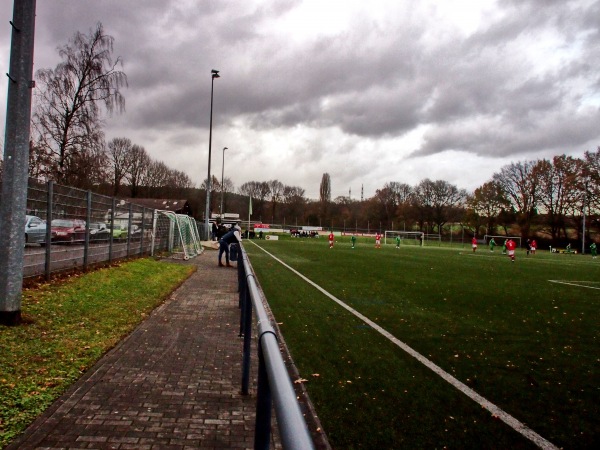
[{"x": 274, "y": 384}]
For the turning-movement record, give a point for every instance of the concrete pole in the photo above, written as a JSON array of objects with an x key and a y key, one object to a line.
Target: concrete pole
[{"x": 16, "y": 161}]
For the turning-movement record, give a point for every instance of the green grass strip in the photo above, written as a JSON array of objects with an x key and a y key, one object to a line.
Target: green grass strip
[{"x": 68, "y": 326}]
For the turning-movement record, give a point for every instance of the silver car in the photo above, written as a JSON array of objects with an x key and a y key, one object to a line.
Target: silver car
[{"x": 35, "y": 230}]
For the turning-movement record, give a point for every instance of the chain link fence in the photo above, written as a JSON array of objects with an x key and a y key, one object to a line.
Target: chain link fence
[{"x": 78, "y": 229}]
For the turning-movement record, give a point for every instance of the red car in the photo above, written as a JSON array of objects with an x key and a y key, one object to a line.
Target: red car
[{"x": 67, "y": 230}]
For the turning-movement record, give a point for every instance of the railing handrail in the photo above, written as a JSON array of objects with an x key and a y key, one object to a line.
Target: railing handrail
[{"x": 291, "y": 423}]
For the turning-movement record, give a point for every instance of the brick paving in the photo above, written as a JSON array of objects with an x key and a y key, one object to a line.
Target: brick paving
[{"x": 174, "y": 383}]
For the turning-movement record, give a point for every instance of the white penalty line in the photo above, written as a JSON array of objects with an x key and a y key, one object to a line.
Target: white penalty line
[
  {"x": 492, "y": 408},
  {"x": 574, "y": 283}
]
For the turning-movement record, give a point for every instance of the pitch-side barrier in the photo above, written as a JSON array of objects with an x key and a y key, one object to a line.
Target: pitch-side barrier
[{"x": 274, "y": 384}]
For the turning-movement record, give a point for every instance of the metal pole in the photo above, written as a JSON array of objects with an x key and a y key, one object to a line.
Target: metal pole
[
  {"x": 215, "y": 74},
  {"x": 86, "y": 241},
  {"x": 222, "y": 175},
  {"x": 49, "y": 200},
  {"x": 16, "y": 161},
  {"x": 583, "y": 212}
]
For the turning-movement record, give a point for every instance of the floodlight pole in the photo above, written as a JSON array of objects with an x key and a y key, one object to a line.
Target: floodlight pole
[
  {"x": 222, "y": 175},
  {"x": 16, "y": 161},
  {"x": 215, "y": 74}
]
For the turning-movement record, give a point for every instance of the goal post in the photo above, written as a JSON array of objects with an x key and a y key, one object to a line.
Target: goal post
[
  {"x": 500, "y": 239},
  {"x": 177, "y": 233},
  {"x": 406, "y": 237}
]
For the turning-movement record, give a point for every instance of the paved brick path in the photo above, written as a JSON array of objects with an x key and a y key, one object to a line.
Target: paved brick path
[{"x": 174, "y": 383}]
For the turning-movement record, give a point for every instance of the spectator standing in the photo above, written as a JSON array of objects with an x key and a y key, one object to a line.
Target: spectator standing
[{"x": 231, "y": 237}]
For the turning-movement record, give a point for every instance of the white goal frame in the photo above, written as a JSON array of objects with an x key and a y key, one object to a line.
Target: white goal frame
[
  {"x": 182, "y": 236},
  {"x": 500, "y": 239},
  {"x": 404, "y": 235}
]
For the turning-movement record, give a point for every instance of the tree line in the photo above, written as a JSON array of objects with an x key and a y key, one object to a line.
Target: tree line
[{"x": 545, "y": 197}]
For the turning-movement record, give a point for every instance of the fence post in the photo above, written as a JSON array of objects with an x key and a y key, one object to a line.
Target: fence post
[
  {"x": 264, "y": 403},
  {"x": 49, "y": 201},
  {"x": 247, "y": 328},
  {"x": 129, "y": 227},
  {"x": 88, "y": 218},
  {"x": 142, "y": 232},
  {"x": 112, "y": 226}
]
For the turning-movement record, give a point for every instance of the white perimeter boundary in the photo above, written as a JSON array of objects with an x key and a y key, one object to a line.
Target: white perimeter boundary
[
  {"x": 574, "y": 283},
  {"x": 495, "y": 410}
]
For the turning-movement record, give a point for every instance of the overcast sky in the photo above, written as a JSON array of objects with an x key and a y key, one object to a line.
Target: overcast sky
[{"x": 368, "y": 91}]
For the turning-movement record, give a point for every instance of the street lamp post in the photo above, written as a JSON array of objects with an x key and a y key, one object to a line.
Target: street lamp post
[
  {"x": 215, "y": 74},
  {"x": 222, "y": 175}
]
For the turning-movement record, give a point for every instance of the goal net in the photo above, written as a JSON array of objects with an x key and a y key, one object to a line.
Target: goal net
[
  {"x": 499, "y": 240},
  {"x": 177, "y": 234},
  {"x": 406, "y": 237}
]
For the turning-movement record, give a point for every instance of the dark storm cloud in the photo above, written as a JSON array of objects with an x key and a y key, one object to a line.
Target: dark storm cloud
[{"x": 524, "y": 80}]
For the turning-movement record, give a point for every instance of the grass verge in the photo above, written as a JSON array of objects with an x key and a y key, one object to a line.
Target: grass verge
[{"x": 67, "y": 327}]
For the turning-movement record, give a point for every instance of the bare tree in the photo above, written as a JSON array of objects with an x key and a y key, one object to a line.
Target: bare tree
[
  {"x": 67, "y": 121},
  {"x": 259, "y": 190},
  {"x": 276, "y": 188},
  {"x": 486, "y": 204},
  {"x": 325, "y": 189},
  {"x": 520, "y": 183},
  {"x": 435, "y": 201},
  {"x": 119, "y": 154},
  {"x": 558, "y": 190},
  {"x": 138, "y": 170},
  {"x": 294, "y": 200}
]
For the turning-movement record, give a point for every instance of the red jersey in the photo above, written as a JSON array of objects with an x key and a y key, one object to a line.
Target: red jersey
[
  {"x": 377, "y": 237},
  {"x": 331, "y": 236},
  {"x": 474, "y": 241},
  {"x": 511, "y": 245}
]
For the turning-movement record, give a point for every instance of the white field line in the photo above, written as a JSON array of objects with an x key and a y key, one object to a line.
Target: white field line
[
  {"x": 492, "y": 408},
  {"x": 574, "y": 283}
]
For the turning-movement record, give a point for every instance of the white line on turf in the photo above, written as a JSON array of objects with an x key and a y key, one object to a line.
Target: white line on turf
[
  {"x": 574, "y": 283},
  {"x": 492, "y": 408}
]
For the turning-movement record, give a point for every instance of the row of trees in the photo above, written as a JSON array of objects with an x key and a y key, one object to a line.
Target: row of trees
[{"x": 544, "y": 197}]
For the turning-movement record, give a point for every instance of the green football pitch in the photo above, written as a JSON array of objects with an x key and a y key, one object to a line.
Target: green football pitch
[{"x": 409, "y": 347}]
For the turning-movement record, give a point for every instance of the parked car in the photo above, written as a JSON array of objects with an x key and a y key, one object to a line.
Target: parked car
[
  {"x": 67, "y": 230},
  {"x": 99, "y": 232},
  {"x": 135, "y": 234},
  {"x": 35, "y": 230},
  {"x": 119, "y": 232}
]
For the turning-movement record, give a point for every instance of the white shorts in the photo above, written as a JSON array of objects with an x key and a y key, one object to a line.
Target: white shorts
[
  {"x": 511, "y": 252},
  {"x": 474, "y": 245}
]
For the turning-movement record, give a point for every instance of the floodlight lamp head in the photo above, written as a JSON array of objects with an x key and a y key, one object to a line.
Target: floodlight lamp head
[
  {"x": 215, "y": 72},
  {"x": 225, "y": 148}
]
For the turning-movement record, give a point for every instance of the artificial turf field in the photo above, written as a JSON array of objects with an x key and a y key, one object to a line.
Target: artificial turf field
[{"x": 524, "y": 343}]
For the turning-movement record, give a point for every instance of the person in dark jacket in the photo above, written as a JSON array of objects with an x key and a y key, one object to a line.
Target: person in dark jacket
[{"x": 231, "y": 237}]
